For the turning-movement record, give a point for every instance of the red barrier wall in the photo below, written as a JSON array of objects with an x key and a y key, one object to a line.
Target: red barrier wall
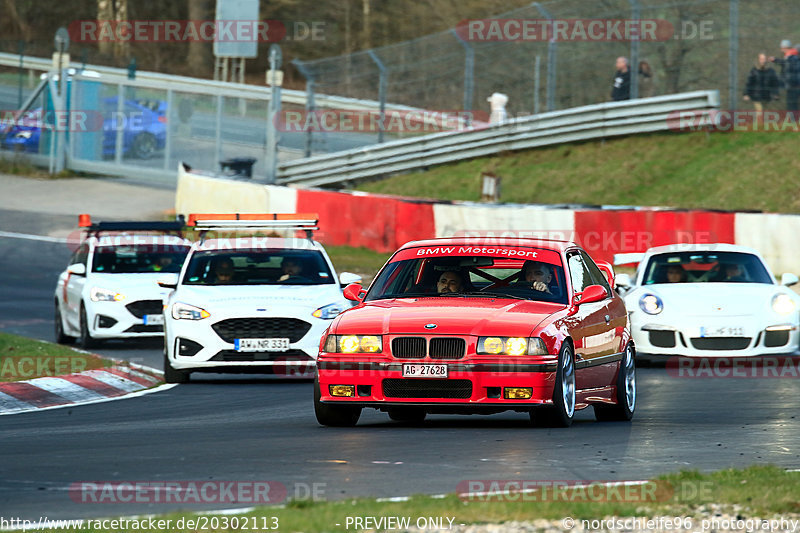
[
  {"x": 606, "y": 232},
  {"x": 377, "y": 222}
]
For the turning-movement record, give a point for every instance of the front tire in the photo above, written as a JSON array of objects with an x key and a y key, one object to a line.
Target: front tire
[
  {"x": 61, "y": 337},
  {"x": 85, "y": 341},
  {"x": 143, "y": 146},
  {"x": 173, "y": 375},
  {"x": 626, "y": 391},
  {"x": 563, "y": 408},
  {"x": 334, "y": 415}
]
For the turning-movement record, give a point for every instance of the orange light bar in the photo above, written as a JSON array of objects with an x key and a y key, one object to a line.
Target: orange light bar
[
  {"x": 231, "y": 219},
  {"x": 84, "y": 220}
]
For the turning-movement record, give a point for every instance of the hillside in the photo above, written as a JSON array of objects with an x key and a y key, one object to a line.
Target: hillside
[{"x": 730, "y": 171}]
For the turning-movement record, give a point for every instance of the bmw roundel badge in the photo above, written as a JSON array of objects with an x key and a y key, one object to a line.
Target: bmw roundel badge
[{"x": 430, "y": 326}]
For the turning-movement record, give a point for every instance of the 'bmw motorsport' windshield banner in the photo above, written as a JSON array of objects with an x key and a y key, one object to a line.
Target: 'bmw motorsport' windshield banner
[{"x": 507, "y": 252}]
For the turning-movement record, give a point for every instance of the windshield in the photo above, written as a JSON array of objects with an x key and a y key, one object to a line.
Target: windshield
[
  {"x": 258, "y": 267},
  {"x": 472, "y": 276},
  {"x": 705, "y": 267},
  {"x": 135, "y": 259}
]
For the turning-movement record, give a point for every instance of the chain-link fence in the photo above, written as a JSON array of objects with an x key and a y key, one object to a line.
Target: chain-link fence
[{"x": 700, "y": 44}]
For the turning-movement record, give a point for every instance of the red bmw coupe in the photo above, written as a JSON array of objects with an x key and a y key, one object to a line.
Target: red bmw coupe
[{"x": 468, "y": 325}]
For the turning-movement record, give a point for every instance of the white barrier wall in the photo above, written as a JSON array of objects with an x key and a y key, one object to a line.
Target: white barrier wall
[
  {"x": 503, "y": 221},
  {"x": 202, "y": 193},
  {"x": 774, "y": 236}
]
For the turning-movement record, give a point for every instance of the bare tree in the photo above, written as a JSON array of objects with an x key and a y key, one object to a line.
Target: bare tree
[
  {"x": 113, "y": 11},
  {"x": 199, "y": 55}
]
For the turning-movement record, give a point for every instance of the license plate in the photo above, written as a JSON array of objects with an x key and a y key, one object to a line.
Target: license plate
[
  {"x": 261, "y": 345},
  {"x": 424, "y": 371},
  {"x": 154, "y": 320},
  {"x": 722, "y": 331}
]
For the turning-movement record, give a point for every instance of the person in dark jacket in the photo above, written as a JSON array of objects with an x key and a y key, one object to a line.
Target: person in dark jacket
[
  {"x": 621, "y": 90},
  {"x": 762, "y": 85},
  {"x": 790, "y": 74}
]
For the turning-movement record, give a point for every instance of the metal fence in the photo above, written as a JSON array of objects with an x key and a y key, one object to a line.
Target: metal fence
[{"x": 712, "y": 45}]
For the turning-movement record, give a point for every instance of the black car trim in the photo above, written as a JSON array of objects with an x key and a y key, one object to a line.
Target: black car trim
[{"x": 597, "y": 361}]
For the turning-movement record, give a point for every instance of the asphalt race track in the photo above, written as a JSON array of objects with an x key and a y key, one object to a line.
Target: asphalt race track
[{"x": 259, "y": 428}]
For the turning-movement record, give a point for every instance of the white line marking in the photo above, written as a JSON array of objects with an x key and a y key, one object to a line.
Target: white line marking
[{"x": 13, "y": 235}]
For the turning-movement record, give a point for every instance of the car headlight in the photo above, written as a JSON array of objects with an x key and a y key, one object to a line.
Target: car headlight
[
  {"x": 651, "y": 304},
  {"x": 182, "y": 311},
  {"x": 353, "y": 344},
  {"x": 99, "y": 294},
  {"x": 783, "y": 304},
  {"x": 328, "y": 312},
  {"x": 511, "y": 346}
]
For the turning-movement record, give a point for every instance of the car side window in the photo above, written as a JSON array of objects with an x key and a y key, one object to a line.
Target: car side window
[
  {"x": 598, "y": 278},
  {"x": 81, "y": 255},
  {"x": 578, "y": 273}
]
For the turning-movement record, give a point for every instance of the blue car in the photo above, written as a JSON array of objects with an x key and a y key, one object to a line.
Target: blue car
[{"x": 143, "y": 123}]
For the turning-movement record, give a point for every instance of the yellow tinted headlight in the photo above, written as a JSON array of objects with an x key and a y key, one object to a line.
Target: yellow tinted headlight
[
  {"x": 349, "y": 344},
  {"x": 516, "y": 346},
  {"x": 370, "y": 344},
  {"x": 493, "y": 345}
]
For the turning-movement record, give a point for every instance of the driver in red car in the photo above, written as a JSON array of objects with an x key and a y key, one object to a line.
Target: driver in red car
[
  {"x": 450, "y": 281},
  {"x": 537, "y": 275}
]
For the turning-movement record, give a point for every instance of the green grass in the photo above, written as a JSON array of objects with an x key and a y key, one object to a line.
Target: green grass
[
  {"x": 759, "y": 491},
  {"x": 22, "y": 358},
  {"x": 732, "y": 171},
  {"x": 361, "y": 261}
]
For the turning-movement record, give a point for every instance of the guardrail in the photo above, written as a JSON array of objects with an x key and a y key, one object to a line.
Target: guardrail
[{"x": 577, "y": 124}]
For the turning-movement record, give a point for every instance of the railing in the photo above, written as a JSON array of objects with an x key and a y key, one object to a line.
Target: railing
[{"x": 577, "y": 124}]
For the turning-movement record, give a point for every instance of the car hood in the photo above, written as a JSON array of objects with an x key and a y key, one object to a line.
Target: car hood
[
  {"x": 142, "y": 286},
  {"x": 452, "y": 316},
  {"x": 703, "y": 299},
  {"x": 241, "y": 297}
]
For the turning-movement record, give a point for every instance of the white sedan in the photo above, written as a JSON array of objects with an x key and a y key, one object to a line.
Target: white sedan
[
  {"x": 709, "y": 300},
  {"x": 250, "y": 304},
  {"x": 109, "y": 290}
]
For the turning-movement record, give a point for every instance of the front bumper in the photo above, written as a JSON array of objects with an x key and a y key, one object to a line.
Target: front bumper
[
  {"x": 126, "y": 319},
  {"x": 197, "y": 345},
  {"x": 717, "y": 337},
  {"x": 470, "y": 386}
]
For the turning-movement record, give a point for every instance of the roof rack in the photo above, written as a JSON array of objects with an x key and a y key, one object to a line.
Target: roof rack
[
  {"x": 254, "y": 221},
  {"x": 85, "y": 221}
]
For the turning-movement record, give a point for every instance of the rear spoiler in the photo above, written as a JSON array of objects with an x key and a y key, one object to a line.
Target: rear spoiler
[{"x": 628, "y": 258}]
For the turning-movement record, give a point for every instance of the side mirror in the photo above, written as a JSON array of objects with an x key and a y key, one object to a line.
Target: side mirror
[
  {"x": 789, "y": 279},
  {"x": 623, "y": 280},
  {"x": 608, "y": 270},
  {"x": 346, "y": 278},
  {"x": 77, "y": 269},
  {"x": 168, "y": 281},
  {"x": 592, "y": 293},
  {"x": 354, "y": 292}
]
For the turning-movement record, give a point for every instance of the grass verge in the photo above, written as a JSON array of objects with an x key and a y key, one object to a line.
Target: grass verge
[
  {"x": 731, "y": 171},
  {"x": 22, "y": 358},
  {"x": 758, "y": 491},
  {"x": 361, "y": 261}
]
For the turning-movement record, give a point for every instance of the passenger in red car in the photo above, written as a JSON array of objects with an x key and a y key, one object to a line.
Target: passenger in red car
[{"x": 450, "y": 281}]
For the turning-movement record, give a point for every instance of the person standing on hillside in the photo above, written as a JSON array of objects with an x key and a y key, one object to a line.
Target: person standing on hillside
[
  {"x": 790, "y": 73},
  {"x": 621, "y": 90},
  {"x": 762, "y": 85}
]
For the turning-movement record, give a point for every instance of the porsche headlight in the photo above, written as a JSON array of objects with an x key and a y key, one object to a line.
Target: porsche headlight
[
  {"x": 353, "y": 344},
  {"x": 99, "y": 294},
  {"x": 182, "y": 311},
  {"x": 651, "y": 304},
  {"x": 783, "y": 304},
  {"x": 328, "y": 312},
  {"x": 511, "y": 346}
]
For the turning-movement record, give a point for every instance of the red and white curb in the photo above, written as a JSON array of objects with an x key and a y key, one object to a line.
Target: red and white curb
[{"x": 91, "y": 386}]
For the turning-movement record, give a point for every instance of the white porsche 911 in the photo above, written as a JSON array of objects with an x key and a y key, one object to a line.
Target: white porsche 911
[
  {"x": 709, "y": 300},
  {"x": 250, "y": 304}
]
